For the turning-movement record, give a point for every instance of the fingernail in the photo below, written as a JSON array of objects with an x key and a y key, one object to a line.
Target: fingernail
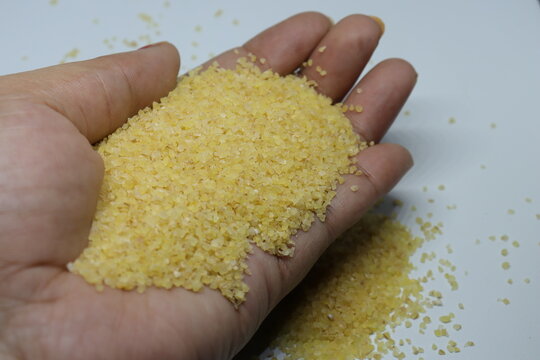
[
  {"x": 380, "y": 23},
  {"x": 151, "y": 45}
]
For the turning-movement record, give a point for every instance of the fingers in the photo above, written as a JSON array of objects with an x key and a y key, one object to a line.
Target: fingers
[
  {"x": 284, "y": 46},
  {"x": 99, "y": 95},
  {"x": 341, "y": 55},
  {"x": 381, "y": 94}
]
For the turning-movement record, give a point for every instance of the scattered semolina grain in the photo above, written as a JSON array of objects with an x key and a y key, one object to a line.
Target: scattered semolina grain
[
  {"x": 527, "y": 281},
  {"x": 363, "y": 280},
  {"x": 457, "y": 327},
  {"x": 397, "y": 202},
  {"x": 191, "y": 182},
  {"x": 505, "y": 301},
  {"x": 515, "y": 243},
  {"x": 510, "y": 281},
  {"x": 322, "y": 49},
  {"x": 354, "y": 188},
  {"x": 504, "y": 252},
  {"x": 218, "y": 13},
  {"x": 469, "y": 344},
  {"x": 408, "y": 324},
  {"x": 505, "y": 265},
  {"x": 72, "y": 54},
  {"x": 150, "y": 22},
  {"x": 322, "y": 72},
  {"x": 452, "y": 281},
  {"x": 441, "y": 187},
  {"x": 130, "y": 43},
  {"x": 511, "y": 211},
  {"x": 452, "y": 347},
  {"x": 446, "y": 318},
  {"x": 452, "y": 120},
  {"x": 440, "y": 331}
]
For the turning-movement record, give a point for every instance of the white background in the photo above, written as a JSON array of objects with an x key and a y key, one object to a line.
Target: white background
[{"x": 478, "y": 61}]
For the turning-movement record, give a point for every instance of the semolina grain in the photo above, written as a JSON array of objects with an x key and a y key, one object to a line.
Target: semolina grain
[{"x": 191, "y": 182}]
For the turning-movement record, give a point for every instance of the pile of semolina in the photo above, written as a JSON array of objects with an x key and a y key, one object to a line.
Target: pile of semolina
[
  {"x": 229, "y": 158},
  {"x": 357, "y": 293}
]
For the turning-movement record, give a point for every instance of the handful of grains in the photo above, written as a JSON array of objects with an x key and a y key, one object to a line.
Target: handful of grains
[{"x": 227, "y": 159}]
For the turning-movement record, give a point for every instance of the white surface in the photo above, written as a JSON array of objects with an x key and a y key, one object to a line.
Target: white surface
[{"x": 479, "y": 61}]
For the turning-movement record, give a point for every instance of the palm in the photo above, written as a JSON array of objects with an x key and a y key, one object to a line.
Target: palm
[{"x": 50, "y": 177}]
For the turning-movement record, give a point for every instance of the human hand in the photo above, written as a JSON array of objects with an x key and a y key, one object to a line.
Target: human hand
[{"x": 50, "y": 178}]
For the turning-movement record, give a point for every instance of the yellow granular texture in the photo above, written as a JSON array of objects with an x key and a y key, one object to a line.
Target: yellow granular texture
[
  {"x": 359, "y": 287},
  {"x": 228, "y": 158}
]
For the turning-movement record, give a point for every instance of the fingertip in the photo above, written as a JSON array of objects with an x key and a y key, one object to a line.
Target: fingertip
[
  {"x": 165, "y": 50},
  {"x": 379, "y": 22},
  {"x": 315, "y": 18},
  {"x": 369, "y": 28},
  {"x": 385, "y": 164},
  {"x": 400, "y": 154},
  {"x": 402, "y": 67}
]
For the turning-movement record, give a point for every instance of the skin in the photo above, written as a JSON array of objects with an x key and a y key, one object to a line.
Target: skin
[{"x": 50, "y": 178}]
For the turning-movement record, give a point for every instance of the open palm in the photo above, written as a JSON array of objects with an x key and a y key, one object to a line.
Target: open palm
[{"x": 50, "y": 178}]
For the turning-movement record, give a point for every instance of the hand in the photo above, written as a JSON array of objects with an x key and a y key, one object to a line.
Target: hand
[{"x": 50, "y": 178}]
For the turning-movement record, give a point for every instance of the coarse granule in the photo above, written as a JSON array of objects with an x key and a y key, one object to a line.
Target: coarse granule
[
  {"x": 446, "y": 318},
  {"x": 505, "y": 301},
  {"x": 440, "y": 331},
  {"x": 363, "y": 281},
  {"x": 452, "y": 281},
  {"x": 228, "y": 158}
]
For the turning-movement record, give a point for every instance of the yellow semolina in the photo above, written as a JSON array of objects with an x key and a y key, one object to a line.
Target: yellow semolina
[
  {"x": 363, "y": 281},
  {"x": 227, "y": 159}
]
